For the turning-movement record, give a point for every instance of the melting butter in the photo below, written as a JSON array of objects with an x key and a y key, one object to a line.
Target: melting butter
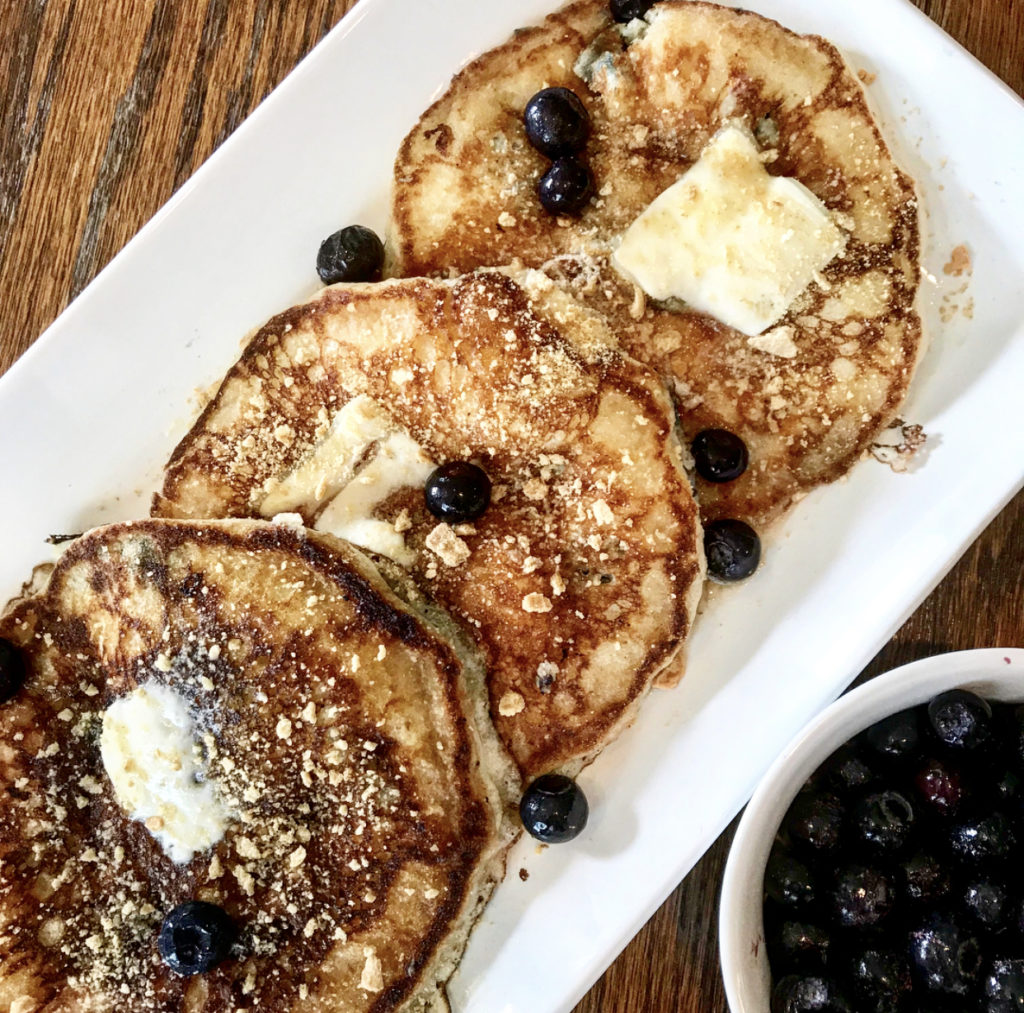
[
  {"x": 361, "y": 461},
  {"x": 399, "y": 461},
  {"x": 148, "y": 748},
  {"x": 359, "y": 424},
  {"x": 730, "y": 239}
]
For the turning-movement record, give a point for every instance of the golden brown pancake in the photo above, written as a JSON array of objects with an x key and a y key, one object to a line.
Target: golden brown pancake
[
  {"x": 580, "y": 581},
  {"x": 808, "y": 397},
  {"x": 365, "y": 793}
]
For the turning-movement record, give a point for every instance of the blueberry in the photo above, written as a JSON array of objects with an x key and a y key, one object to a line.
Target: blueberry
[
  {"x": 1003, "y": 986},
  {"x": 896, "y": 737},
  {"x": 808, "y": 995},
  {"x": 196, "y": 936},
  {"x": 556, "y": 122},
  {"x": 814, "y": 823},
  {"x": 788, "y": 882},
  {"x": 883, "y": 821},
  {"x": 861, "y": 897},
  {"x": 566, "y": 187},
  {"x": 987, "y": 904},
  {"x": 944, "y": 958},
  {"x": 940, "y": 786},
  {"x": 880, "y": 981},
  {"x": 457, "y": 492},
  {"x": 719, "y": 456},
  {"x": 354, "y": 253},
  {"x": 626, "y": 10},
  {"x": 12, "y": 670},
  {"x": 797, "y": 946},
  {"x": 925, "y": 880},
  {"x": 961, "y": 720},
  {"x": 983, "y": 839},
  {"x": 733, "y": 550},
  {"x": 846, "y": 771},
  {"x": 554, "y": 809}
]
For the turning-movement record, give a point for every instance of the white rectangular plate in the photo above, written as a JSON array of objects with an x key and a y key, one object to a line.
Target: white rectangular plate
[{"x": 93, "y": 409}]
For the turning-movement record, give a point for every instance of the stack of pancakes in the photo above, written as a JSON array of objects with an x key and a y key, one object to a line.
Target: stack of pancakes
[{"x": 367, "y": 687}]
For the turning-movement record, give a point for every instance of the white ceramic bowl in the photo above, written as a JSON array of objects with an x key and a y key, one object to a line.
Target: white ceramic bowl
[{"x": 995, "y": 673}]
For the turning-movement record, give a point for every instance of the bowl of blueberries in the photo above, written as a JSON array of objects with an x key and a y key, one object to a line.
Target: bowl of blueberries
[{"x": 879, "y": 867}]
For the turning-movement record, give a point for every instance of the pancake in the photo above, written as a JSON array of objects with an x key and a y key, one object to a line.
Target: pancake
[
  {"x": 809, "y": 395},
  {"x": 580, "y": 581},
  {"x": 244, "y": 714}
]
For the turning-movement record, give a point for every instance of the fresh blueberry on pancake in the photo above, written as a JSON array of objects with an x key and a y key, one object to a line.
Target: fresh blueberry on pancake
[
  {"x": 627, "y": 10},
  {"x": 556, "y": 122},
  {"x": 733, "y": 550},
  {"x": 196, "y": 936},
  {"x": 718, "y": 455},
  {"x": 458, "y": 492},
  {"x": 12, "y": 670},
  {"x": 566, "y": 187},
  {"x": 554, "y": 809},
  {"x": 354, "y": 253}
]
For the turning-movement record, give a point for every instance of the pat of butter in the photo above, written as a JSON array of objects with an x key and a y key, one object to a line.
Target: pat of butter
[
  {"x": 361, "y": 461},
  {"x": 148, "y": 750},
  {"x": 359, "y": 424},
  {"x": 729, "y": 239},
  {"x": 399, "y": 461}
]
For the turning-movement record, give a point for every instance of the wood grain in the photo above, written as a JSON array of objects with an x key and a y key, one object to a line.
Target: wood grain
[{"x": 107, "y": 106}]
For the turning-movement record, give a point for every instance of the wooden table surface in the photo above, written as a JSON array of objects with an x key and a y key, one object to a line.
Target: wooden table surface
[{"x": 107, "y": 106}]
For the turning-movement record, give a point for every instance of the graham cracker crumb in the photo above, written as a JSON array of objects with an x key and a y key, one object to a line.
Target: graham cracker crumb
[
  {"x": 535, "y": 489},
  {"x": 511, "y": 703},
  {"x": 372, "y": 979},
  {"x": 452, "y": 549},
  {"x": 537, "y": 602},
  {"x": 778, "y": 341},
  {"x": 959, "y": 261}
]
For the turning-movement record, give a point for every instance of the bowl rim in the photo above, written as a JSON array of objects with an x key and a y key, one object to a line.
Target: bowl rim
[{"x": 995, "y": 672}]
